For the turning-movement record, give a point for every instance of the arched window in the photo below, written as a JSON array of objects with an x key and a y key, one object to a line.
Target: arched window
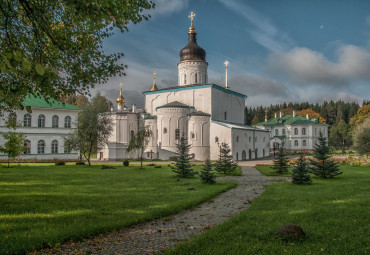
[
  {"x": 67, "y": 122},
  {"x": 296, "y": 131},
  {"x": 196, "y": 78},
  {"x": 237, "y": 138},
  {"x": 27, "y": 147},
  {"x": 276, "y": 131},
  {"x": 55, "y": 121},
  {"x": 54, "y": 147},
  {"x": 192, "y": 134},
  {"x": 304, "y": 142},
  {"x": 225, "y": 115},
  {"x": 216, "y": 139},
  {"x": 184, "y": 78},
  {"x": 283, "y": 131},
  {"x": 264, "y": 139},
  {"x": 255, "y": 138},
  {"x": 132, "y": 133},
  {"x": 67, "y": 149},
  {"x": 27, "y": 120},
  {"x": 249, "y": 139},
  {"x": 177, "y": 134},
  {"x": 41, "y": 120},
  {"x": 303, "y": 131},
  {"x": 12, "y": 119},
  {"x": 41, "y": 147},
  {"x": 295, "y": 142},
  {"x": 165, "y": 131}
]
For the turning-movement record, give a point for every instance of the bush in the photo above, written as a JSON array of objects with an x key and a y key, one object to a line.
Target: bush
[
  {"x": 126, "y": 162},
  {"x": 158, "y": 166},
  {"x": 80, "y": 163},
  {"x": 151, "y": 164},
  {"x": 107, "y": 167},
  {"x": 60, "y": 163}
]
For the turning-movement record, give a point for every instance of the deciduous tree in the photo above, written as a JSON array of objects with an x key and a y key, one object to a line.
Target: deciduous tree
[
  {"x": 93, "y": 130},
  {"x": 138, "y": 142},
  {"x": 14, "y": 145},
  {"x": 361, "y": 137},
  {"x": 55, "y": 48}
]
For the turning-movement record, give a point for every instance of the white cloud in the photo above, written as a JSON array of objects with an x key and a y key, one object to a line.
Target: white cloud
[
  {"x": 265, "y": 33},
  {"x": 305, "y": 66}
]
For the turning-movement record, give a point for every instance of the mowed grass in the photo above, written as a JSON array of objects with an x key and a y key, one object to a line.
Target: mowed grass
[
  {"x": 333, "y": 213},
  {"x": 41, "y": 206}
]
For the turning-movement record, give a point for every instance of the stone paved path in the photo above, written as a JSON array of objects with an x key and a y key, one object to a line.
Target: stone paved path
[{"x": 160, "y": 234}]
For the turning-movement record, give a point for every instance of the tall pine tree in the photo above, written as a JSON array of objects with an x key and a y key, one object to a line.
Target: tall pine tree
[
  {"x": 225, "y": 163},
  {"x": 300, "y": 174},
  {"x": 183, "y": 168},
  {"x": 322, "y": 165},
  {"x": 281, "y": 162}
]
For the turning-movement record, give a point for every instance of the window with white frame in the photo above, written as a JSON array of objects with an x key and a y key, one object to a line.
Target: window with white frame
[
  {"x": 41, "y": 120},
  {"x": 304, "y": 143},
  {"x": 27, "y": 147},
  {"x": 67, "y": 122},
  {"x": 296, "y": 131},
  {"x": 303, "y": 131},
  {"x": 54, "y": 147},
  {"x": 295, "y": 142},
  {"x": 27, "y": 120},
  {"x": 41, "y": 147},
  {"x": 55, "y": 121}
]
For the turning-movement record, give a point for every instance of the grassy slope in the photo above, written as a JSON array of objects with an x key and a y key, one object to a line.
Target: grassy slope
[
  {"x": 334, "y": 213},
  {"x": 44, "y": 205}
]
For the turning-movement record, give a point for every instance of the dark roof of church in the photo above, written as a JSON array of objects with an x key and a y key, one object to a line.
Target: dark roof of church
[
  {"x": 175, "y": 104},
  {"x": 199, "y": 113}
]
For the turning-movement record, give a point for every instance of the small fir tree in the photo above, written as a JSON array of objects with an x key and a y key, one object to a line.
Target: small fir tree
[
  {"x": 207, "y": 174},
  {"x": 322, "y": 165},
  {"x": 300, "y": 173},
  {"x": 225, "y": 163},
  {"x": 281, "y": 162},
  {"x": 183, "y": 168}
]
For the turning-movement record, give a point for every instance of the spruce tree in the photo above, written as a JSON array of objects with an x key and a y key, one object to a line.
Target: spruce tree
[
  {"x": 206, "y": 174},
  {"x": 225, "y": 163},
  {"x": 281, "y": 162},
  {"x": 183, "y": 168},
  {"x": 300, "y": 173},
  {"x": 322, "y": 165}
]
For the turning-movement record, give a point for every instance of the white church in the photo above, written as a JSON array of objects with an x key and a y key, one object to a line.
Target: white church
[{"x": 208, "y": 114}]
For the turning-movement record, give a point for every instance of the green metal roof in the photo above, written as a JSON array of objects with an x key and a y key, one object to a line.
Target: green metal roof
[
  {"x": 40, "y": 102},
  {"x": 290, "y": 120}
]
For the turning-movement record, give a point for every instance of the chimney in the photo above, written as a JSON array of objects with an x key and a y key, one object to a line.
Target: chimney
[
  {"x": 281, "y": 114},
  {"x": 294, "y": 113},
  {"x": 133, "y": 108},
  {"x": 307, "y": 117}
]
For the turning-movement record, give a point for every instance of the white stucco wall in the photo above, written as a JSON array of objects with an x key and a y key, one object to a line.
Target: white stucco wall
[{"x": 192, "y": 72}]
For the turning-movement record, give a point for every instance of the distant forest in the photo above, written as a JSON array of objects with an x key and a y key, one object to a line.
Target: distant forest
[{"x": 332, "y": 112}]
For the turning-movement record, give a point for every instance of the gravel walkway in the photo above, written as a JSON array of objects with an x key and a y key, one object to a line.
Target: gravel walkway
[{"x": 161, "y": 234}]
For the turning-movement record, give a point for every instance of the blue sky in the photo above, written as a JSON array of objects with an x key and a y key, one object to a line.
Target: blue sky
[{"x": 287, "y": 50}]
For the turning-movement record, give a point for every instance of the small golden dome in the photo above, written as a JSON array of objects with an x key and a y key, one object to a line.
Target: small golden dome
[
  {"x": 154, "y": 87},
  {"x": 120, "y": 98}
]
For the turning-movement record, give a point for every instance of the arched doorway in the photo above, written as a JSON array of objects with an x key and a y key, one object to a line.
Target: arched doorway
[
  {"x": 244, "y": 155},
  {"x": 237, "y": 156},
  {"x": 263, "y": 153},
  {"x": 250, "y": 154},
  {"x": 256, "y": 153}
]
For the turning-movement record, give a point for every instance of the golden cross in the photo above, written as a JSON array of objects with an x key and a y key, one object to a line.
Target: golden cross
[
  {"x": 191, "y": 16},
  {"x": 226, "y": 63}
]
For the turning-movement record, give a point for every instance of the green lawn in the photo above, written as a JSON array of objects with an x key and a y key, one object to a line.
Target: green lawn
[
  {"x": 41, "y": 206},
  {"x": 335, "y": 214}
]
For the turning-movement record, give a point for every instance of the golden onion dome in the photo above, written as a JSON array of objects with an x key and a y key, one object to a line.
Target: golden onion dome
[{"x": 120, "y": 98}]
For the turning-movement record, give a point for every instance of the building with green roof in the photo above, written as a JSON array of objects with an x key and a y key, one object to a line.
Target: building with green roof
[
  {"x": 45, "y": 127},
  {"x": 293, "y": 132}
]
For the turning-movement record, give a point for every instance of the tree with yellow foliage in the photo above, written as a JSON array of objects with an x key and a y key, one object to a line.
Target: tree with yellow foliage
[
  {"x": 312, "y": 114},
  {"x": 361, "y": 115}
]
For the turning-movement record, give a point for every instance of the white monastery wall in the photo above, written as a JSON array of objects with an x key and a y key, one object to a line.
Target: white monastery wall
[{"x": 227, "y": 107}]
